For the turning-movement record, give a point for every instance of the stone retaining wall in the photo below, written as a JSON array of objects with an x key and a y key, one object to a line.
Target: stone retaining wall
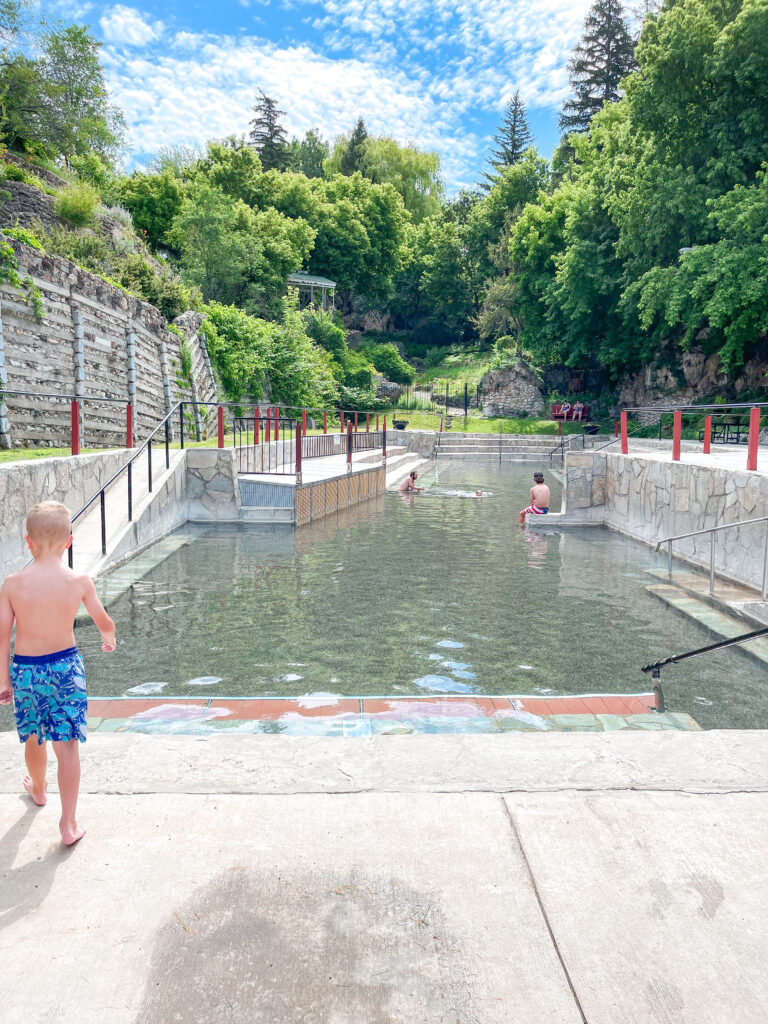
[
  {"x": 650, "y": 500},
  {"x": 94, "y": 339},
  {"x": 23, "y": 484}
]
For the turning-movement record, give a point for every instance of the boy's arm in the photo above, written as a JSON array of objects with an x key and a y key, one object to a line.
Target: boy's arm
[
  {"x": 98, "y": 613},
  {"x": 6, "y": 625}
]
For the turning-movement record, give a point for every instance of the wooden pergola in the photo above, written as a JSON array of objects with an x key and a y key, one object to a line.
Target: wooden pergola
[{"x": 308, "y": 284}]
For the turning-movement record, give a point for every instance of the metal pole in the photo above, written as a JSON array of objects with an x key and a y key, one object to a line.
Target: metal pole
[
  {"x": 349, "y": 446},
  {"x": 659, "y": 704},
  {"x": 304, "y": 421},
  {"x": 221, "y": 425},
  {"x": 355, "y": 422},
  {"x": 277, "y": 425},
  {"x": 130, "y": 492},
  {"x": 167, "y": 442},
  {"x": 129, "y": 426},
  {"x": 299, "y": 432},
  {"x": 624, "y": 440},
  {"x": 711, "y": 562},
  {"x": 75, "y": 438},
  {"x": 325, "y": 422},
  {"x": 181, "y": 424},
  {"x": 765, "y": 564},
  {"x": 384, "y": 459},
  {"x": 103, "y": 523},
  {"x": 367, "y": 422},
  {"x": 669, "y": 560},
  {"x": 446, "y": 398},
  {"x": 377, "y": 423},
  {"x": 149, "y": 464},
  {"x": 466, "y": 398},
  {"x": 707, "y": 434},
  {"x": 341, "y": 421},
  {"x": 677, "y": 430},
  {"x": 754, "y": 432}
]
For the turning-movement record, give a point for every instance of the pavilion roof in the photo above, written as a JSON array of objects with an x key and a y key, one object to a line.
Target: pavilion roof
[{"x": 302, "y": 279}]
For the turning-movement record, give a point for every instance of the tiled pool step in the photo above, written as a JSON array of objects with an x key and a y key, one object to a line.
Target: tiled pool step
[{"x": 368, "y": 716}]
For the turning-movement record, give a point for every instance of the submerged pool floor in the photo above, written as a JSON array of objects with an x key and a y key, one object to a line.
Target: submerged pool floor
[{"x": 382, "y": 716}]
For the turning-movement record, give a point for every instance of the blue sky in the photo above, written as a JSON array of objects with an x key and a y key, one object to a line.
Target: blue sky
[{"x": 436, "y": 73}]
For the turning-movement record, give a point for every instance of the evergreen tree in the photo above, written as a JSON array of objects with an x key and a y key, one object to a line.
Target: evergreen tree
[
  {"x": 512, "y": 140},
  {"x": 604, "y": 56},
  {"x": 268, "y": 136},
  {"x": 354, "y": 155}
]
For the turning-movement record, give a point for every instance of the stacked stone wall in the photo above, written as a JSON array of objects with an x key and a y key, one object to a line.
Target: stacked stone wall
[{"x": 94, "y": 339}]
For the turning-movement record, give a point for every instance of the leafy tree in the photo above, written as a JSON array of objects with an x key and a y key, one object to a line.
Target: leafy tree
[
  {"x": 603, "y": 57},
  {"x": 414, "y": 173},
  {"x": 154, "y": 200},
  {"x": 387, "y": 360},
  {"x": 353, "y": 153},
  {"x": 80, "y": 116},
  {"x": 512, "y": 140},
  {"x": 232, "y": 166},
  {"x": 306, "y": 155},
  {"x": 267, "y": 134}
]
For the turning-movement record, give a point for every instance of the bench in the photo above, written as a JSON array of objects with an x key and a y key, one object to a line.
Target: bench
[{"x": 557, "y": 413}]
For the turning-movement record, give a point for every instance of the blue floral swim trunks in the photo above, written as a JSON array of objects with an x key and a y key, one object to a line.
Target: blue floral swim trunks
[{"x": 49, "y": 696}]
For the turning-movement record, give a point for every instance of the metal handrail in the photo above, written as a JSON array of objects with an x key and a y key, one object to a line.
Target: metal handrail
[
  {"x": 655, "y": 667},
  {"x": 630, "y": 434},
  {"x": 719, "y": 406},
  {"x": 712, "y": 530}
]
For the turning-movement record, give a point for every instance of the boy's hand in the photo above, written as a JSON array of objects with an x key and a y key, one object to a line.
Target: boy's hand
[
  {"x": 6, "y": 694},
  {"x": 108, "y": 641}
]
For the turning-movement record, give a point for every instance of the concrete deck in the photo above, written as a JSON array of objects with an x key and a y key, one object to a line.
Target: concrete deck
[{"x": 614, "y": 878}]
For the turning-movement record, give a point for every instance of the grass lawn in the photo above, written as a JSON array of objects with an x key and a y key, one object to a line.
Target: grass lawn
[{"x": 464, "y": 366}]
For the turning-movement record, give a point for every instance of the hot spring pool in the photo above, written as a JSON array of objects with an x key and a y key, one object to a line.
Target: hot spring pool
[{"x": 441, "y": 593}]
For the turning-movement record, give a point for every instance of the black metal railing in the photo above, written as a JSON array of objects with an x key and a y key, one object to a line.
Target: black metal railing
[
  {"x": 265, "y": 444},
  {"x": 655, "y": 667}
]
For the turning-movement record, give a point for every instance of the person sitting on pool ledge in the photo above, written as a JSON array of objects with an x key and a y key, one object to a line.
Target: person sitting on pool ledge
[
  {"x": 409, "y": 484},
  {"x": 539, "y": 499}
]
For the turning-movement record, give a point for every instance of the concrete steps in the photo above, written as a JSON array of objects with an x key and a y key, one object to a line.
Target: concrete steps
[
  {"x": 725, "y": 626},
  {"x": 731, "y": 598}
]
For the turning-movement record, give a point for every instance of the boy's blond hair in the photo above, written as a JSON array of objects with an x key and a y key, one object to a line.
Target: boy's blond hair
[{"x": 49, "y": 523}]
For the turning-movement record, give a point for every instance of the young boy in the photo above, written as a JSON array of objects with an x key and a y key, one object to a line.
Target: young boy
[
  {"x": 46, "y": 677},
  {"x": 539, "y": 498}
]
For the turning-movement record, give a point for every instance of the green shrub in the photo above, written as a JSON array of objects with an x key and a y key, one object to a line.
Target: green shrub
[
  {"x": 13, "y": 173},
  {"x": 25, "y": 236},
  {"x": 434, "y": 356},
  {"x": 388, "y": 361},
  {"x": 77, "y": 204}
]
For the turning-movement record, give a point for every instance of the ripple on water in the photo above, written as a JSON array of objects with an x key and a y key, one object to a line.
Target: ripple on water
[
  {"x": 204, "y": 681},
  {"x": 144, "y": 689},
  {"x": 289, "y": 677},
  {"x": 453, "y": 666},
  {"x": 453, "y": 644},
  {"x": 442, "y": 684}
]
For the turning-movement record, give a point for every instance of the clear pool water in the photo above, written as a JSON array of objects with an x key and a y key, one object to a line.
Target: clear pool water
[{"x": 441, "y": 593}]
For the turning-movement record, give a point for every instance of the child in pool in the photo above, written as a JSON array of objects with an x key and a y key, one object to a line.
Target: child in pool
[
  {"x": 46, "y": 678},
  {"x": 539, "y": 499}
]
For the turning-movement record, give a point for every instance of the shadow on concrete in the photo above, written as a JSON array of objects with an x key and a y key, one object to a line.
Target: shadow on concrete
[{"x": 24, "y": 887}]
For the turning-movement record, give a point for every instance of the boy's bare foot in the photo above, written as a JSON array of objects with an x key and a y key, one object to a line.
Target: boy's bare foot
[
  {"x": 69, "y": 836},
  {"x": 40, "y": 798}
]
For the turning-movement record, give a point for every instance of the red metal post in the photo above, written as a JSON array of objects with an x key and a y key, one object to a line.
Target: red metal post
[
  {"x": 304, "y": 421},
  {"x": 325, "y": 422},
  {"x": 349, "y": 444},
  {"x": 677, "y": 433},
  {"x": 707, "y": 434},
  {"x": 277, "y": 422},
  {"x": 441, "y": 423},
  {"x": 754, "y": 433},
  {"x": 129, "y": 426},
  {"x": 384, "y": 446},
  {"x": 377, "y": 421},
  {"x": 299, "y": 432},
  {"x": 624, "y": 441},
  {"x": 355, "y": 422},
  {"x": 221, "y": 425},
  {"x": 268, "y": 425},
  {"x": 75, "y": 427},
  {"x": 341, "y": 422}
]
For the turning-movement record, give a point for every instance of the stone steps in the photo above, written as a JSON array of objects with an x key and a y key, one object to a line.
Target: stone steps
[
  {"x": 725, "y": 626},
  {"x": 730, "y": 598}
]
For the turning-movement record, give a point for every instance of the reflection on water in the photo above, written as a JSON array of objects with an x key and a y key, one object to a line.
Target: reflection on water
[{"x": 434, "y": 594}]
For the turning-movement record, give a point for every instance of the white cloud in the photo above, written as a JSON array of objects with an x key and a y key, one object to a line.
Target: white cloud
[
  {"x": 205, "y": 88},
  {"x": 125, "y": 26}
]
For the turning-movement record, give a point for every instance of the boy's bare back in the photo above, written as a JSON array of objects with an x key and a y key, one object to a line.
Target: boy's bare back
[
  {"x": 44, "y": 599},
  {"x": 540, "y": 495}
]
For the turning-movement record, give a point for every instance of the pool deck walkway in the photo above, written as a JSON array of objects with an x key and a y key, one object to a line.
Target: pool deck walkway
[{"x": 611, "y": 878}]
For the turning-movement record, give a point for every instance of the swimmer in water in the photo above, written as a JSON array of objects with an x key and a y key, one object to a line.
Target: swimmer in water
[
  {"x": 409, "y": 484},
  {"x": 539, "y": 499}
]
